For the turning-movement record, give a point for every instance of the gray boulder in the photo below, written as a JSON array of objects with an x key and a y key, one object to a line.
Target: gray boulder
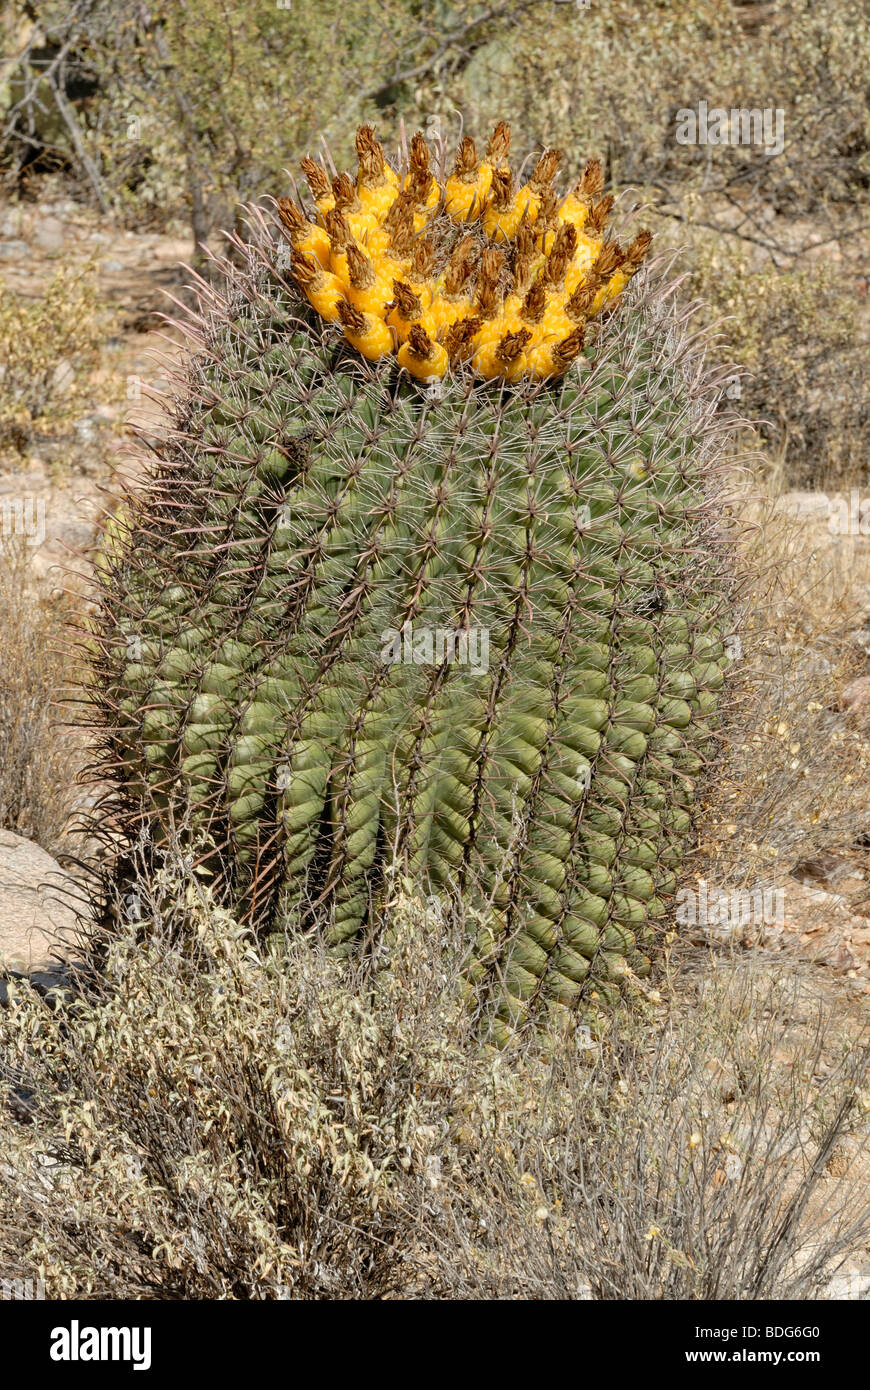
[{"x": 39, "y": 925}]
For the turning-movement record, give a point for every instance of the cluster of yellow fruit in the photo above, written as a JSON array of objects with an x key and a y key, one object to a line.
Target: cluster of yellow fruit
[{"x": 477, "y": 270}]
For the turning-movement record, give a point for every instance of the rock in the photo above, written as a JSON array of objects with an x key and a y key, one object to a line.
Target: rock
[
  {"x": 11, "y": 223},
  {"x": 113, "y": 267},
  {"x": 38, "y": 924},
  {"x": 14, "y": 251},
  {"x": 860, "y": 640},
  {"x": 839, "y": 957},
  {"x": 49, "y": 234},
  {"x": 855, "y": 702},
  {"x": 60, "y": 983},
  {"x": 73, "y": 534}
]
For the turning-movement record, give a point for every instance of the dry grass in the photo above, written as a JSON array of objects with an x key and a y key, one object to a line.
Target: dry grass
[
  {"x": 39, "y": 760},
  {"x": 793, "y": 775}
]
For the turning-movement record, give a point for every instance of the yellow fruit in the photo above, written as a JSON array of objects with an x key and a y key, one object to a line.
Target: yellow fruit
[
  {"x": 323, "y": 290},
  {"x": 552, "y": 358},
  {"x": 368, "y": 291},
  {"x": 388, "y": 269},
  {"x": 316, "y": 243},
  {"x": 369, "y": 301},
  {"x": 368, "y": 334},
  {"x": 537, "y": 192},
  {"x": 464, "y": 200},
  {"x": 445, "y": 312},
  {"x": 376, "y": 183},
  {"x": 376, "y": 241},
  {"x": 338, "y": 265},
  {"x": 318, "y": 182},
  {"x": 432, "y": 197},
  {"x": 502, "y": 226},
  {"x": 404, "y": 325},
  {"x": 495, "y": 329},
  {"x": 574, "y": 210},
  {"x": 410, "y": 309},
  {"x": 422, "y": 357},
  {"x": 632, "y": 260},
  {"x": 361, "y": 223},
  {"x": 576, "y": 207},
  {"x": 555, "y": 325},
  {"x": 305, "y": 236},
  {"x": 503, "y": 356},
  {"x": 326, "y": 297},
  {"x": 463, "y": 192},
  {"x": 378, "y": 201},
  {"x": 485, "y": 361},
  {"x": 495, "y": 162},
  {"x": 584, "y": 259}
]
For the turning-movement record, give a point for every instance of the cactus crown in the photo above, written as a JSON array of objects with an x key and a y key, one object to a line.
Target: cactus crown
[{"x": 476, "y": 269}]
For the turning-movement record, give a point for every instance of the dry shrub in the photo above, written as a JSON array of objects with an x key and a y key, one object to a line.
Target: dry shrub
[
  {"x": 48, "y": 348},
  {"x": 234, "y": 1120},
  {"x": 39, "y": 759},
  {"x": 800, "y": 337},
  {"x": 243, "y": 1124},
  {"x": 690, "y": 1160}
]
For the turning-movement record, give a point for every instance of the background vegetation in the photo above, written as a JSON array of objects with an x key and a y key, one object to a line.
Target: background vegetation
[{"x": 161, "y": 111}]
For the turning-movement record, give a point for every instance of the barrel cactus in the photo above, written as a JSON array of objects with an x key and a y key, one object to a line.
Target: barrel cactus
[{"x": 427, "y": 575}]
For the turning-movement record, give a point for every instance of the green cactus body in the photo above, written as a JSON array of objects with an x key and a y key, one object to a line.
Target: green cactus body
[{"x": 472, "y": 630}]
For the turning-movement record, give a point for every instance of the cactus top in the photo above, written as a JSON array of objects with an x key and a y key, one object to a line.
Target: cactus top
[{"x": 472, "y": 270}]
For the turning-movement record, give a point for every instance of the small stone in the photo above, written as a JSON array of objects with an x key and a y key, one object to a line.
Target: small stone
[
  {"x": 826, "y": 868},
  {"x": 49, "y": 234},
  {"x": 849, "y": 1284},
  {"x": 14, "y": 250},
  {"x": 840, "y": 957}
]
